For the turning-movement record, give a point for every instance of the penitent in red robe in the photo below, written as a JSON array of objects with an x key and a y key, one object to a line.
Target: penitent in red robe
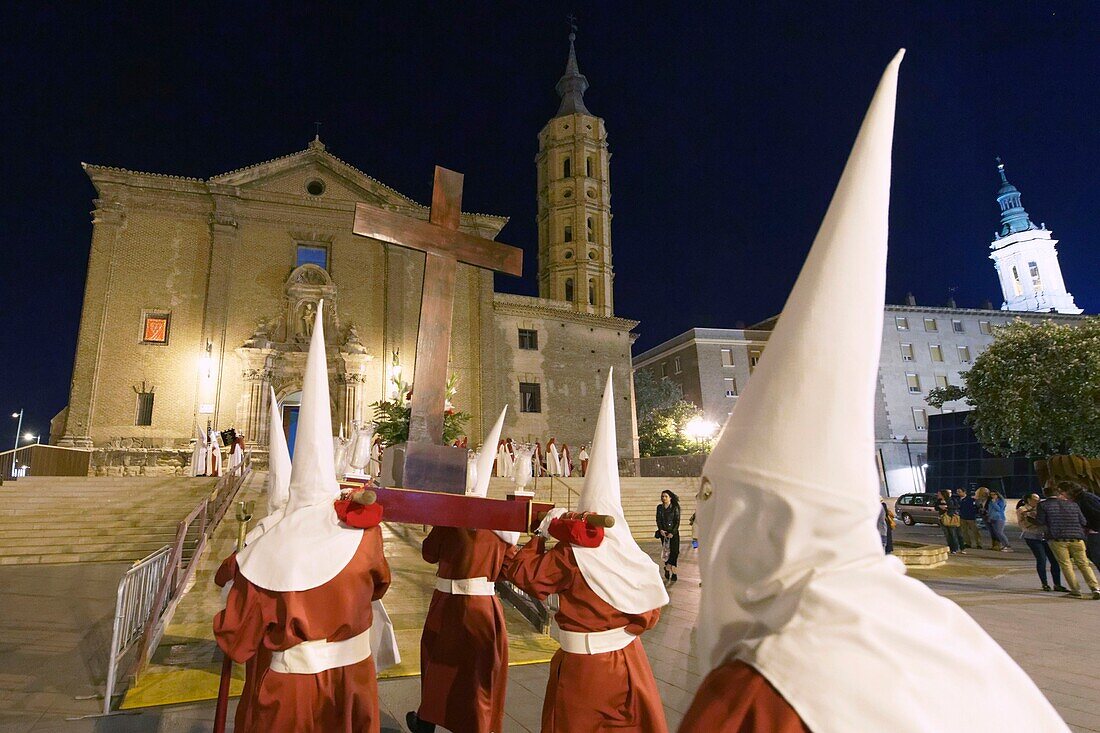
[
  {"x": 257, "y": 622},
  {"x": 735, "y": 698},
  {"x": 464, "y": 647},
  {"x": 590, "y": 692}
]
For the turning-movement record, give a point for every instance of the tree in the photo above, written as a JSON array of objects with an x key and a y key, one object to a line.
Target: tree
[
  {"x": 1036, "y": 390},
  {"x": 940, "y": 396},
  {"x": 662, "y": 432},
  {"x": 653, "y": 393}
]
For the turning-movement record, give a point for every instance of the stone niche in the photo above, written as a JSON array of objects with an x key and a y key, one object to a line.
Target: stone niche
[{"x": 275, "y": 356}]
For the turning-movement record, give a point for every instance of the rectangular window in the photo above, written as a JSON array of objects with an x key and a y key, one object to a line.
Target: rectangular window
[
  {"x": 591, "y": 231},
  {"x": 907, "y": 352},
  {"x": 964, "y": 354},
  {"x": 902, "y": 323},
  {"x": 568, "y": 234},
  {"x": 985, "y": 328},
  {"x": 727, "y": 357},
  {"x": 530, "y": 397},
  {"x": 1036, "y": 281},
  {"x": 936, "y": 351},
  {"x": 956, "y": 326},
  {"x": 930, "y": 324},
  {"x": 154, "y": 327},
  {"x": 312, "y": 254},
  {"x": 1017, "y": 287},
  {"x": 662, "y": 370},
  {"x": 914, "y": 383},
  {"x": 731, "y": 386},
  {"x": 920, "y": 418},
  {"x": 754, "y": 358},
  {"x": 588, "y": 166},
  {"x": 676, "y": 368},
  {"x": 528, "y": 339},
  {"x": 144, "y": 409},
  {"x": 567, "y": 168},
  {"x": 941, "y": 381}
]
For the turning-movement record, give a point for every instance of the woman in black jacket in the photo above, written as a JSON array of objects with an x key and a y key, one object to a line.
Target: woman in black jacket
[{"x": 668, "y": 531}]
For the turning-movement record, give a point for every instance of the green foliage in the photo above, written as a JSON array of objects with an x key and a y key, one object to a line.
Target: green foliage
[
  {"x": 940, "y": 396},
  {"x": 653, "y": 393},
  {"x": 391, "y": 422},
  {"x": 661, "y": 433},
  {"x": 1036, "y": 390}
]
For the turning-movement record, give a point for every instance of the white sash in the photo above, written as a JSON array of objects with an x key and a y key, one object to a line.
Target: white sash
[
  {"x": 595, "y": 642},
  {"x": 466, "y": 586},
  {"x": 311, "y": 657}
]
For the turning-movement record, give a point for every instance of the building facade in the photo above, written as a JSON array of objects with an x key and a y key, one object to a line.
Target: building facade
[{"x": 201, "y": 293}]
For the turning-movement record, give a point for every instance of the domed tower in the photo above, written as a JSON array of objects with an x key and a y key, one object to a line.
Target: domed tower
[
  {"x": 574, "y": 201},
  {"x": 1025, "y": 258}
]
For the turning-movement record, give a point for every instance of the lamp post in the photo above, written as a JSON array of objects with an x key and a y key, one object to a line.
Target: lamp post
[
  {"x": 18, "y": 429},
  {"x": 30, "y": 436},
  {"x": 699, "y": 430}
]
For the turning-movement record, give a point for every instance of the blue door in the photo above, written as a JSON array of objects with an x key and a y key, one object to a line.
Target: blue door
[{"x": 290, "y": 426}]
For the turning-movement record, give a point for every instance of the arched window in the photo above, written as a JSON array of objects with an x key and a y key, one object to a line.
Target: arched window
[
  {"x": 592, "y": 292},
  {"x": 566, "y": 169},
  {"x": 568, "y": 233},
  {"x": 1036, "y": 281},
  {"x": 588, "y": 166},
  {"x": 1017, "y": 288},
  {"x": 569, "y": 289},
  {"x": 591, "y": 229}
]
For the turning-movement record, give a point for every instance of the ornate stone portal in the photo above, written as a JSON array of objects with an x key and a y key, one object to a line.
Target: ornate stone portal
[{"x": 275, "y": 356}]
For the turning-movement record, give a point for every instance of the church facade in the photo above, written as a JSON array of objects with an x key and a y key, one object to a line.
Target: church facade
[{"x": 200, "y": 296}]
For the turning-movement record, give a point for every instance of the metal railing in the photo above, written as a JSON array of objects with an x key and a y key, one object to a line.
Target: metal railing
[{"x": 147, "y": 598}]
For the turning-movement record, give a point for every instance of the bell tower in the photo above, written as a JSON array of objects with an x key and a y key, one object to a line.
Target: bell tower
[
  {"x": 574, "y": 201},
  {"x": 1026, "y": 258}
]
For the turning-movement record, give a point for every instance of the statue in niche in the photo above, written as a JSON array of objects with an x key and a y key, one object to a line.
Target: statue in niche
[
  {"x": 305, "y": 323},
  {"x": 353, "y": 344}
]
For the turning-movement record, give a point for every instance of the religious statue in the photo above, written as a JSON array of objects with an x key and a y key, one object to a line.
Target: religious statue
[{"x": 305, "y": 323}]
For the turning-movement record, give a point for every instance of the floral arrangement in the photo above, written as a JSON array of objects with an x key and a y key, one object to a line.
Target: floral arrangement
[{"x": 391, "y": 416}]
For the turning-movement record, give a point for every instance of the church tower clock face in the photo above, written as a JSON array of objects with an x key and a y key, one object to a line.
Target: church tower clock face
[{"x": 575, "y": 229}]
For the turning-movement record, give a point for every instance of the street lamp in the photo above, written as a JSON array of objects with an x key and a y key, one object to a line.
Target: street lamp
[
  {"x": 18, "y": 429},
  {"x": 700, "y": 430},
  {"x": 32, "y": 436}
]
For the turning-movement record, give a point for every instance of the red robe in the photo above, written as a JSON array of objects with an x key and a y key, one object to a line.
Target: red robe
[
  {"x": 464, "y": 647},
  {"x": 257, "y": 622},
  {"x": 735, "y": 698},
  {"x": 589, "y": 692}
]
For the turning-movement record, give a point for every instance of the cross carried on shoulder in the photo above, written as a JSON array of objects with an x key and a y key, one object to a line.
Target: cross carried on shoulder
[{"x": 444, "y": 246}]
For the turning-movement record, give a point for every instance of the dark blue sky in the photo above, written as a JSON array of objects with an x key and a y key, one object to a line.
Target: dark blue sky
[{"x": 729, "y": 125}]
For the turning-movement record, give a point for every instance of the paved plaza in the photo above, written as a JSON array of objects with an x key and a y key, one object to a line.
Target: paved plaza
[{"x": 57, "y": 619}]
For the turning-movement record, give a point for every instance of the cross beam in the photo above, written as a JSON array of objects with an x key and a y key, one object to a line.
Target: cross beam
[{"x": 443, "y": 247}]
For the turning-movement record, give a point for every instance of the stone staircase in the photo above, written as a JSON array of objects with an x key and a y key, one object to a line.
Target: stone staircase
[
  {"x": 640, "y": 497},
  {"x": 91, "y": 519}
]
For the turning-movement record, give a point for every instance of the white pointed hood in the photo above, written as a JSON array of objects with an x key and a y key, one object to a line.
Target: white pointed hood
[
  {"x": 278, "y": 475},
  {"x": 309, "y": 546},
  {"x": 486, "y": 457},
  {"x": 618, "y": 571},
  {"x": 795, "y": 582}
]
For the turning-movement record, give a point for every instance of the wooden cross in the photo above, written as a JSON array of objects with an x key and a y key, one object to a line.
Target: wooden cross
[{"x": 443, "y": 247}]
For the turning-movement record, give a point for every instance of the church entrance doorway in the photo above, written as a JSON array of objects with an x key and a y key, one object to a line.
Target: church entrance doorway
[{"x": 290, "y": 406}]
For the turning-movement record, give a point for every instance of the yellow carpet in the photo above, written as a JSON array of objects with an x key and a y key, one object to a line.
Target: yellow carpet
[{"x": 186, "y": 666}]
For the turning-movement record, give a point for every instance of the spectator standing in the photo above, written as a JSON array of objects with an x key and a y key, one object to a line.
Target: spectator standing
[
  {"x": 1090, "y": 507},
  {"x": 668, "y": 531},
  {"x": 886, "y": 524},
  {"x": 981, "y": 497},
  {"x": 968, "y": 515},
  {"x": 995, "y": 518},
  {"x": 949, "y": 521},
  {"x": 1034, "y": 534},
  {"x": 1065, "y": 532}
]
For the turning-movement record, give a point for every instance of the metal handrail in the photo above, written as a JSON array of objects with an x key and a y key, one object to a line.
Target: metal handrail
[{"x": 173, "y": 573}]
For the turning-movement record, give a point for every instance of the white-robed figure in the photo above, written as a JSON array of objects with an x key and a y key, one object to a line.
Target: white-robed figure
[
  {"x": 800, "y": 610},
  {"x": 214, "y": 453},
  {"x": 300, "y": 610},
  {"x": 198, "y": 454},
  {"x": 278, "y": 474},
  {"x": 553, "y": 458}
]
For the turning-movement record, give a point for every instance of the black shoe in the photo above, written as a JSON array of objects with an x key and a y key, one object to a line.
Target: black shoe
[
  {"x": 416, "y": 725},
  {"x": 1061, "y": 589},
  {"x": 674, "y": 577},
  {"x": 1046, "y": 587},
  {"x": 666, "y": 574}
]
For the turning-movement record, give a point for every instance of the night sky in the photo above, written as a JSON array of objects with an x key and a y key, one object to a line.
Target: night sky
[{"x": 728, "y": 125}]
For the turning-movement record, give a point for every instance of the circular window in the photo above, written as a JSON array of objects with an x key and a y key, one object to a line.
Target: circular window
[
  {"x": 591, "y": 254},
  {"x": 591, "y": 193},
  {"x": 568, "y": 254},
  {"x": 315, "y": 187},
  {"x": 567, "y": 194}
]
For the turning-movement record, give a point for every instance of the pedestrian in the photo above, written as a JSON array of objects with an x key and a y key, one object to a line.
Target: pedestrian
[
  {"x": 668, "y": 531},
  {"x": 981, "y": 497},
  {"x": 968, "y": 515},
  {"x": 1065, "y": 532},
  {"x": 694, "y": 534},
  {"x": 1090, "y": 507},
  {"x": 1034, "y": 534},
  {"x": 995, "y": 518},
  {"x": 949, "y": 521},
  {"x": 583, "y": 457},
  {"x": 886, "y": 524}
]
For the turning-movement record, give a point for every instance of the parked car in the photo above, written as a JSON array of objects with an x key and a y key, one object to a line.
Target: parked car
[{"x": 917, "y": 509}]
